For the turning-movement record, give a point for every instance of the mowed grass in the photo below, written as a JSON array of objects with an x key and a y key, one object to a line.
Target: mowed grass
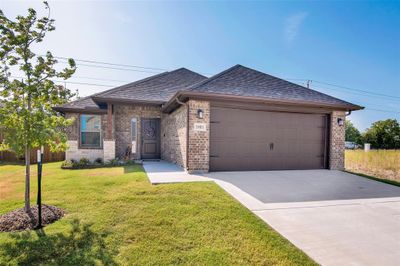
[
  {"x": 383, "y": 164},
  {"x": 116, "y": 217}
]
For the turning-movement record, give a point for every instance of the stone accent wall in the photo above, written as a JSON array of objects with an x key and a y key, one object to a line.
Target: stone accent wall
[
  {"x": 108, "y": 150},
  {"x": 123, "y": 115},
  {"x": 337, "y": 138},
  {"x": 199, "y": 141},
  {"x": 174, "y": 136},
  {"x": 74, "y": 153}
]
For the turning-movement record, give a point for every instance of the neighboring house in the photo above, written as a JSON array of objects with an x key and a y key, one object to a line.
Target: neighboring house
[{"x": 239, "y": 119}]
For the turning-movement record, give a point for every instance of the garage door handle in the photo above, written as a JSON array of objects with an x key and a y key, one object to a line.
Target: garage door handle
[
  {"x": 214, "y": 156},
  {"x": 271, "y": 146}
]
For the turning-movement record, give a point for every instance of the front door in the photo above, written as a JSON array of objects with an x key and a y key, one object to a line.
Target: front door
[{"x": 150, "y": 138}]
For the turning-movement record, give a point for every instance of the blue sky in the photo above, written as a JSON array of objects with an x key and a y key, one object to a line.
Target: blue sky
[{"x": 354, "y": 44}]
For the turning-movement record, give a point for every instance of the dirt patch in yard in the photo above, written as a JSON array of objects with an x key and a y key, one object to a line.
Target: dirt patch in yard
[{"x": 18, "y": 220}]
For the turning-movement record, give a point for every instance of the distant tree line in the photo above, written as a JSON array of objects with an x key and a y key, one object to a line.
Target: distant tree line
[{"x": 383, "y": 134}]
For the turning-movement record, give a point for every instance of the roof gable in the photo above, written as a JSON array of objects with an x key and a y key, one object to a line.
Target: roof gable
[
  {"x": 158, "y": 88},
  {"x": 238, "y": 82},
  {"x": 243, "y": 81}
]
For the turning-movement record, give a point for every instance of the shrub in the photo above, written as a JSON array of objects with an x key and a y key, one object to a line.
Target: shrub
[
  {"x": 75, "y": 163},
  {"x": 99, "y": 161},
  {"x": 67, "y": 164},
  {"x": 84, "y": 162},
  {"x": 113, "y": 162}
]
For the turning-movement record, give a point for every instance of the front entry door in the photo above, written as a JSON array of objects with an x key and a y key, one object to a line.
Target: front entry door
[{"x": 150, "y": 138}]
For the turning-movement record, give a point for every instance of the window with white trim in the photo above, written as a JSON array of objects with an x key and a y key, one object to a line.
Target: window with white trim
[{"x": 90, "y": 131}]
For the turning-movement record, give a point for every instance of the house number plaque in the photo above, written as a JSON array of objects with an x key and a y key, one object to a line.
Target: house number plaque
[{"x": 200, "y": 127}]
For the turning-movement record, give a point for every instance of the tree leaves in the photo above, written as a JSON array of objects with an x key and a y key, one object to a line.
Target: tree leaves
[
  {"x": 384, "y": 134},
  {"x": 26, "y": 116}
]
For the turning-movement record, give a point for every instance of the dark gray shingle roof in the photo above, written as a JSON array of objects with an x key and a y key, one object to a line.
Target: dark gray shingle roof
[
  {"x": 244, "y": 81},
  {"x": 84, "y": 103},
  {"x": 158, "y": 88},
  {"x": 235, "y": 81}
]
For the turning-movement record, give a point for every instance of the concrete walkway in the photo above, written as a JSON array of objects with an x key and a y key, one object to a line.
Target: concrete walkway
[
  {"x": 335, "y": 217},
  {"x": 161, "y": 172}
]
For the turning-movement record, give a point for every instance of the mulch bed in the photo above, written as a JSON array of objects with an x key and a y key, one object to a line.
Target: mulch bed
[{"x": 18, "y": 220}]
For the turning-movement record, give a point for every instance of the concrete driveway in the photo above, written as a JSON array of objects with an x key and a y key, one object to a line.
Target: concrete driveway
[{"x": 335, "y": 217}]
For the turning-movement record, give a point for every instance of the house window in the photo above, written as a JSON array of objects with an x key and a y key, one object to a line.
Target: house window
[
  {"x": 134, "y": 134},
  {"x": 90, "y": 131}
]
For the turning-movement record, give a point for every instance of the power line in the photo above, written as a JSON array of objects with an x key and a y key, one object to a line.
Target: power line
[
  {"x": 104, "y": 85},
  {"x": 380, "y": 110},
  {"x": 116, "y": 68},
  {"x": 112, "y": 64},
  {"x": 93, "y": 62},
  {"x": 115, "y": 80},
  {"x": 76, "y": 83},
  {"x": 364, "y": 91},
  {"x": 358, "y": 93},
  {"x": 84, "y": 83}
]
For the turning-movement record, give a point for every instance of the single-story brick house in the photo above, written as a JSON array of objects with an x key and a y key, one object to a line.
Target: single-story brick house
[{"x": 239, "y": 119}]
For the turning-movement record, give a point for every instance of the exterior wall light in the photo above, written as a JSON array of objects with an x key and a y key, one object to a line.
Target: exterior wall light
[
  {"x": 200, "y": 114},
  {"x": 340, "y": 121}
]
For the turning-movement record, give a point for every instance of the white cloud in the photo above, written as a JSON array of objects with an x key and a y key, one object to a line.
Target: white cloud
[{"x": 292, "y": 26}]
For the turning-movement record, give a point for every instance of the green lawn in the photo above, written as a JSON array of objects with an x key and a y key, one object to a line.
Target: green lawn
[{"x": 115, "y": 216}]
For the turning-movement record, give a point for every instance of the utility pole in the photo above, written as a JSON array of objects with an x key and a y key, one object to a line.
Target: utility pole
[
  {"x": 39, "y": 195},
  {"x": 308, "y": 83}
]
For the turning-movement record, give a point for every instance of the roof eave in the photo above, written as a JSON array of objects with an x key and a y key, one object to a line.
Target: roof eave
[
  {"x": 100, "y": 100},
  {"x": 86, "y": 110},
  {"x": 184, "y": 95}
]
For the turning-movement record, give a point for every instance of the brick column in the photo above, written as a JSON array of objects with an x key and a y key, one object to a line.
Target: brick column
[
  {"x": 337, "y": 138},
  {"x": 199, "y": 138}
]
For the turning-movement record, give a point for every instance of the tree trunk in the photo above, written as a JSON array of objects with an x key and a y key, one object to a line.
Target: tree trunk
[
  {"x": 27, "y": 178},
  {"x": 28, "y": 155}
]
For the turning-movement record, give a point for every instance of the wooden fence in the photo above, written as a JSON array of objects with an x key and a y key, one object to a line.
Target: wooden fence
[{"x": 7, "y": 156}]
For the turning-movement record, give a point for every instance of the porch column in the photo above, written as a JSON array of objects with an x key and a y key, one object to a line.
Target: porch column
[{"x": 109, "y": 140}]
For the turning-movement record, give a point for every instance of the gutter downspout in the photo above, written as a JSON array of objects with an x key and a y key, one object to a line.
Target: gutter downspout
[
  {"x": 349, "y": 113},
  {"x": 187, "y": 130}
]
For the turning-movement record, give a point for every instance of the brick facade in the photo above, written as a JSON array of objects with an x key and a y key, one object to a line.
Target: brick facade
[
  {"x": 174, "y": 136},
  {"x": 183, "y": 138},
  {"x": 337, "y": 138},
  {"x": 123, "y": 115},
  {"x": 199, "y": 141},
  {"x": 73, "y": 130}
]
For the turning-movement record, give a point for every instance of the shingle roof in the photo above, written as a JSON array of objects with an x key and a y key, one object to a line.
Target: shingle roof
[
  {"x": 158, "y": 88},
  {"x": 243, "y": 81},
  {"x": 237, "y": 81},
  {"x": 81, "y": 104}
]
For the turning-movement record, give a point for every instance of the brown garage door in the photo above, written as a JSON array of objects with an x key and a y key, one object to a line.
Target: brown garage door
[{"x": 259, "y": 140}]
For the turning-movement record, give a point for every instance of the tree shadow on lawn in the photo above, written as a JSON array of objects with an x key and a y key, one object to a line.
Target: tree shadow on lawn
[
  {"x": 79, "y": 246},
  {"x": 129, "y": 169}
]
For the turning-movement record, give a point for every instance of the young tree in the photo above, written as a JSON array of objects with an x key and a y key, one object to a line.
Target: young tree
[
  {"x": 384, "y": 134},
  {"x": 352, "y": 133},
  {"x": 27, "y": 117}
]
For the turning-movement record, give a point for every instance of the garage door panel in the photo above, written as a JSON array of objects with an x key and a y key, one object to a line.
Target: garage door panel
[{"x": 258, "y": 140}]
